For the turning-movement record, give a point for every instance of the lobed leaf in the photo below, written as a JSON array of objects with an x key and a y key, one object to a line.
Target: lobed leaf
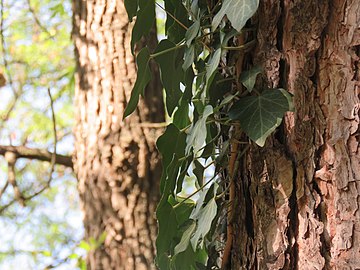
[
  {"x": 237, "y": 11},
  {"x": 260, "y": 115}
]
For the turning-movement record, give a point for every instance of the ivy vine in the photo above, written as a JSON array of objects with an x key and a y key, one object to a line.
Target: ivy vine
[{"x": 211, "y": 101}]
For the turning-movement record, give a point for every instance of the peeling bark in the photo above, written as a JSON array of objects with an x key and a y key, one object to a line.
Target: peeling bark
[
  {"x": 300, "y": 192},
  {"x": 116, "y": 162}
]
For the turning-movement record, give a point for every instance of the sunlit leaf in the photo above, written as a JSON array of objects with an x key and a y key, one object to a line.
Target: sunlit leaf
[
  {"x": 192, "y": 32},
  {"x": 196, "y": 138},
  {"x": 204, "y": 219},
  {"x": 237, "y": 11},
  {"x": 185, "y": 239}
]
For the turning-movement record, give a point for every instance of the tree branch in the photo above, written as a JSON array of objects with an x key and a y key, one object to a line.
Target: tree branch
[{"x": 36, "y": 153}]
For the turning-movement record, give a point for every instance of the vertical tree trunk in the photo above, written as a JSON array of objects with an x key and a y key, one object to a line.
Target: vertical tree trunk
[
  {"x": 298, "y": 197},
  {"x": 115, "y": 161}
]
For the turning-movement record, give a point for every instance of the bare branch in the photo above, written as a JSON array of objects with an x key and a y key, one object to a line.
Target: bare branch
[
  {"x": 43, "y": 28},
  {"x": 11, "y": 160},
  {"x": 36, "y": 153},
  {"x": 53, "y": 156}
]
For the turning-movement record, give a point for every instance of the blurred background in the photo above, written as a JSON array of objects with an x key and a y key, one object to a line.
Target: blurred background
[{"x": 40, "y": 217}]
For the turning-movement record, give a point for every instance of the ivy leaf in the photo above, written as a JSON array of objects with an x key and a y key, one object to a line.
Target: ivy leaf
[
  {"x": 213, "y": 65},
  {"x": 237, "y": 11},
  {"x": 167, "y": 231},
  {"x": 204, "y": 219},
  {"x": 228, "y": 99},
  {"x": 189, "y": 56},
  {"x": 185, "y": 239},
  {"x": 248, "y": 78},
  {"x": 169, "y": 7},
  {"x": 170, "y": 144},
  {"x": 289, "y": 98},
  {"x": 169, "y": 219},
  {"x": 143, "y": 78},
  {"x": 189, "y": 259},
  {"x": 192, "y": 32},
  {"x": 199, "y": 172},
  {"x": 181, "y": 115},
  {"x": 144, "y": 21},
  {"x": 260, "y": 115},
  {"x": 197, "y": 136},
  {"x": 131, "y": 8},
  {"x": 171, "y": 74},
  {"x": 174, "y": 30}
]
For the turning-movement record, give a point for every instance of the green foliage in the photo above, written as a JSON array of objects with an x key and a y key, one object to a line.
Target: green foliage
[
  {"x": 237, "y": 11},
  {"x": 204, "y": 97},
  {"x": 37, "y": 54}
]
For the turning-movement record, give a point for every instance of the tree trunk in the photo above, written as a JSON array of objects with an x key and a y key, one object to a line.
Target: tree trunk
[
  {"x": 298, "y": 197},
  {"x": 115, "y": 161}
]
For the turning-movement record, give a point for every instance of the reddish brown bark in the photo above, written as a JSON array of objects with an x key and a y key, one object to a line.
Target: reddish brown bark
[
  {"x": 298, "y": 197},
  {"x": 115, "y": 161}
]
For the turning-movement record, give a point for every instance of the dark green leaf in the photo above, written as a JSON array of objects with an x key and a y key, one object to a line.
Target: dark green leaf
[
  {"x": 143, "y": 78},
  {"x": 175, "y": 31},
  {"x": 260, "y": 115},
  {"x": 199, "y": 172},
  {"x": 212, "y": 65},
  {"x": 171, "y": 143},
  {"x": 168, "y": 227},
  {"x": 181, "y": 115},
  {"x": 144, "y": 21},
  {"x": 169, "y": 7},
  {"x": 169, "y": 219},
  {"x": 131, "y": 8},
  {"x": 189, "y": 79},
  {"x": 171, "y": 73},
  {"x": 217, "y": 89},
  {"x": 189, "y": 56},
  {"x": 183, "y": 172},
  {"x": 184, "y": 261},
  {"x": 237, "y": 11}
]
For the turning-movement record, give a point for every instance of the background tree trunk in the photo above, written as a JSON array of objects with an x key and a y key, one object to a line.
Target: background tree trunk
[
  {"x": 298, "y": 197},
  {"x": 115, "y": 161}
]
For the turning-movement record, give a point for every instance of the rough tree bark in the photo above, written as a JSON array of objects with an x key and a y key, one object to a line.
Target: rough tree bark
[
  {"x": 115, "y": 161},
  {"x": 298, "y": 197}
]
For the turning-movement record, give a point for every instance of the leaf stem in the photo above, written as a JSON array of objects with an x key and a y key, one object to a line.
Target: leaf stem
[
  {"x": 241, "y": 47},
  {"x": 172, "y": 16},
  {"x": 154, "y": 55}
]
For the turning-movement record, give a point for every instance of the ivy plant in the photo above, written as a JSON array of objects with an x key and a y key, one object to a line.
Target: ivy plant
[{"x": 208, "y": 95}]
